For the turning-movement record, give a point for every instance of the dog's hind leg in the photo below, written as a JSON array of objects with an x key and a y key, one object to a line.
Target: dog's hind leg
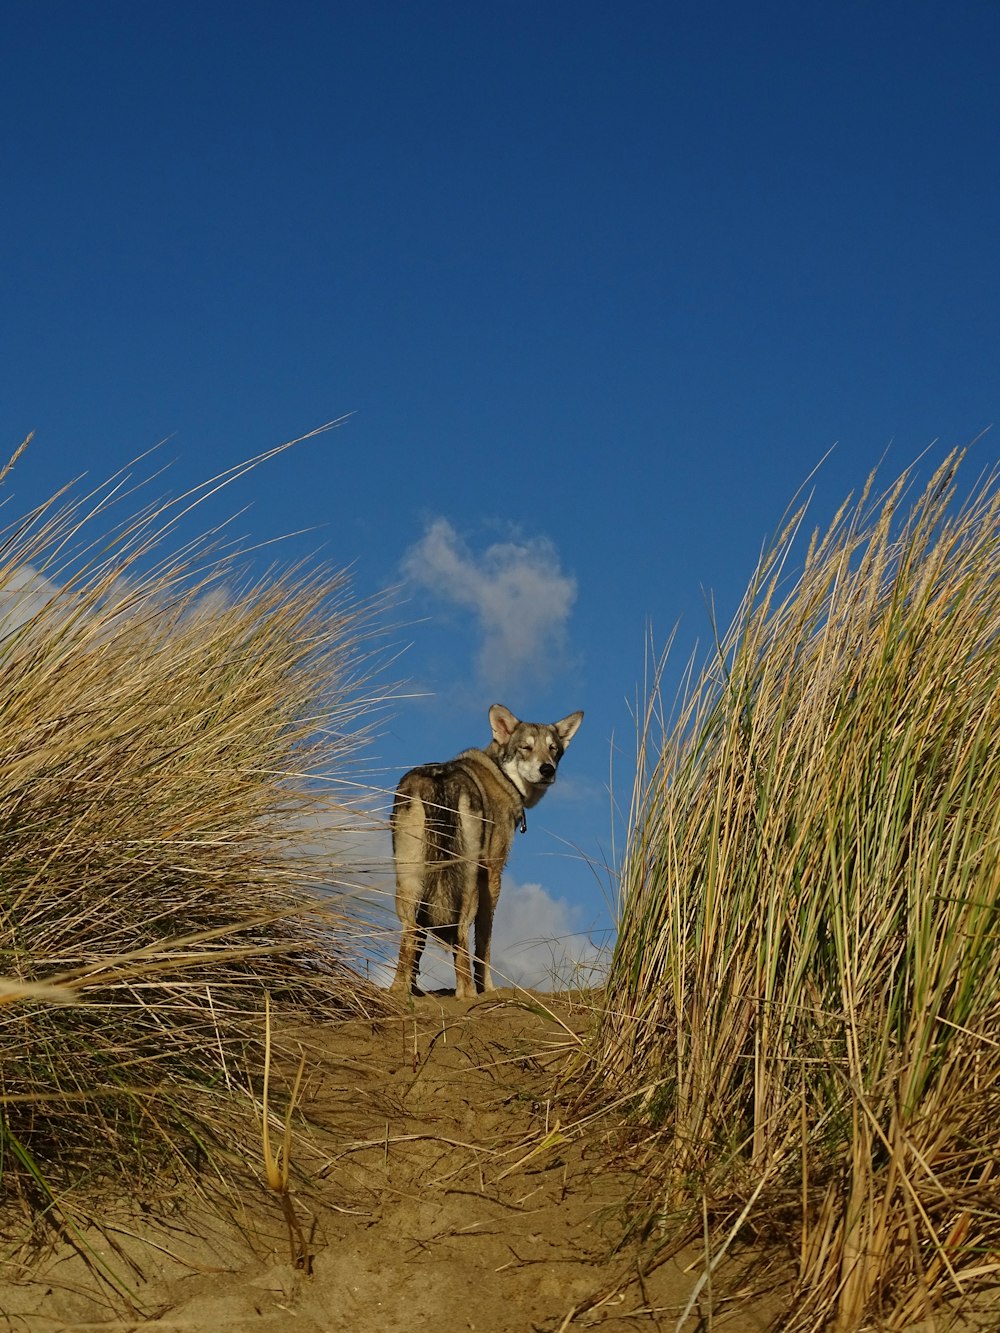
[
  {"x": 411, "y": 874},
  {"x": 411, "y": 946},
  {"x": 464, "y": 986}
]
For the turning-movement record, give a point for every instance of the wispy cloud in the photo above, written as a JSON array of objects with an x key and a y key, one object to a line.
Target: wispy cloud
[
  {"x": 517, "y": 591},
  {"x": 24, "y": 594},
  {"x": 542, "y": 941}
]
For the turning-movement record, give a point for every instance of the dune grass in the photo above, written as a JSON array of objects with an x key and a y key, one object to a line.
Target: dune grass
[
  {"x": 170, "y": 733},
  {"x": 803, "y": 1005}
]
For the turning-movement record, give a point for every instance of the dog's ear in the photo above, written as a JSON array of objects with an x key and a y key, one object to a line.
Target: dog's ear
[
  {"x": 503, "y": 722},
  {"x": 567, "y": 728}
]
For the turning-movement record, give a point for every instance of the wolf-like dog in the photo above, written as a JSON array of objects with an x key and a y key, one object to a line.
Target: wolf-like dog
[{"x": 452, "y": 829}]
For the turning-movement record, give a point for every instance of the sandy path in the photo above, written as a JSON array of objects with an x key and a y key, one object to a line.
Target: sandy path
[{"x": 430, "y": 1194}]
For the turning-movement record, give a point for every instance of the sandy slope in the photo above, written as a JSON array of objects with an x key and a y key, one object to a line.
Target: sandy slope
[{"x": 430, "y": 1194}]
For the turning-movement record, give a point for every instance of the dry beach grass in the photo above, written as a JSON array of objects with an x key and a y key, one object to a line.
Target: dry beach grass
[
  {"x": 804, "y": 1000},
  {"x": 165, "y": 729}
]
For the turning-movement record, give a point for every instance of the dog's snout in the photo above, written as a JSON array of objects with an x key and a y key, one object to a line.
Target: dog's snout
[{"x": 548, "y": 771}]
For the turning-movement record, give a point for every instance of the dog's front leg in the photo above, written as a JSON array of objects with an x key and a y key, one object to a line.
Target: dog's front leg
[{"x": 489, "y": 892}]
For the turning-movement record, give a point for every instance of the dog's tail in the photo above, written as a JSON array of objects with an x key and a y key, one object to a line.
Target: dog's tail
[{"x": 441, "y": 834}]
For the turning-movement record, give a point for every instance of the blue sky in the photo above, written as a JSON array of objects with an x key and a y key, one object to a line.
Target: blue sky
[{"x": 601, "y": 285}]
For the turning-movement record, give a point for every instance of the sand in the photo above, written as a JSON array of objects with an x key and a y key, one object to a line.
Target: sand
[{"x": 437, "y": 1186}]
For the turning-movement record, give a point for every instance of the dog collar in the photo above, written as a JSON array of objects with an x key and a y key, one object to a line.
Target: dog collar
[{"x": 522, "y": 823}]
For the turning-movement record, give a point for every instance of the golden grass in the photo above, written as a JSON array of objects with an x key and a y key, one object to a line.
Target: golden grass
[
  {"x": 171, "y": 733},
  {"x": 804, "y": 1000},
  {"x": 278, "y": 1169}
]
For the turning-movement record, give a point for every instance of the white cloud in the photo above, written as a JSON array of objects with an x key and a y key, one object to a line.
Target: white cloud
[
  {"x": 24, "y": 595},
  {"x": 540, "y": 941},
  {"x": 517, "y": 591}
]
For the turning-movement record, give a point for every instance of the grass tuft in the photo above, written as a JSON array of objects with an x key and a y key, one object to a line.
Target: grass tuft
[
  {"x": 171, "y": 732},
  {"x": 804, "y": 999}
]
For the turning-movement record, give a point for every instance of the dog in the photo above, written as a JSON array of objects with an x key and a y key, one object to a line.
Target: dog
[{"x": 452, "y": 829}]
